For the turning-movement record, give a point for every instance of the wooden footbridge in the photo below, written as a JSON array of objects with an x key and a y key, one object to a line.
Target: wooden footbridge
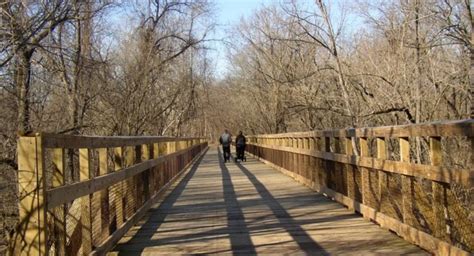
[{"x": 395, "y": 190}]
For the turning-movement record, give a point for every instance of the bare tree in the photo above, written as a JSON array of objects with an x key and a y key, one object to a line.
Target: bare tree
[{"x": 25, "y": 26}]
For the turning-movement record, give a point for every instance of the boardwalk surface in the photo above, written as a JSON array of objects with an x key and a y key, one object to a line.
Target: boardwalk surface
[{"x": 250, "y": 208}]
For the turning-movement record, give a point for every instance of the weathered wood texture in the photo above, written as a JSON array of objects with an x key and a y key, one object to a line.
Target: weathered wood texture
[
  {"x": 426, "y": 198},
  {"x": 247, "y": 209},
  {"x": 83, "y": 201}
]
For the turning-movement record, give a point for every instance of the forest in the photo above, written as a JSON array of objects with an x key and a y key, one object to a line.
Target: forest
[{"x": 294, "y": 65}]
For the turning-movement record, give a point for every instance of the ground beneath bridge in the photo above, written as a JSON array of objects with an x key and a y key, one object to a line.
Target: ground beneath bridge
[{"x": 250, "y": 208}]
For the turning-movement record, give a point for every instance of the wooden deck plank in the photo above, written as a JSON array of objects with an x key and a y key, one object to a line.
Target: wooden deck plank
[{"x": 250, "y": 208}]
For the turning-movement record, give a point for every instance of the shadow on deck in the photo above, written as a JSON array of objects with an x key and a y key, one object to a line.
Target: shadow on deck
[{"x": 249, "y": 208}]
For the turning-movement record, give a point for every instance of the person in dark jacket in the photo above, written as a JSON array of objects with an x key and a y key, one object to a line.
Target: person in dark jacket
[{"x": 240, "y": 142}]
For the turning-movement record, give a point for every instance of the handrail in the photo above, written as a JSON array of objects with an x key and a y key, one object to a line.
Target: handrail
[
  {"x": 80, "y": 194},
  {"x": 407, "y": 178},
  {"x": 435, "y": 129},
  {"x": 82, "y": 141}
]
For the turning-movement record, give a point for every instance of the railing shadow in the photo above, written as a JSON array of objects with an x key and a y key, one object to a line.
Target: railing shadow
[
  {"x": 299, "y": 235},
  {"x": 241, "y": 242}
]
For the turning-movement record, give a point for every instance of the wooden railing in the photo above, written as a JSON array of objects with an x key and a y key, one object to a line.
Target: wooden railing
[
  {"x": 416, "y": 180},
  {"x": 80, "y": 194}
]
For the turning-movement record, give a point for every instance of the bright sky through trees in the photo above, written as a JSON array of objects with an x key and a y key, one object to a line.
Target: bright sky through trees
[{"x": 229, "y": 13}]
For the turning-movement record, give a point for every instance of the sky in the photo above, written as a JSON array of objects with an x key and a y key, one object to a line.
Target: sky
[{"x": 228, "y": 14}]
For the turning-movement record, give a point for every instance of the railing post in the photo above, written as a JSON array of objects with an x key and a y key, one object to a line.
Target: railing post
[
  {"x": 31, "y": 236},
  {"x": 439, "y": 193}
]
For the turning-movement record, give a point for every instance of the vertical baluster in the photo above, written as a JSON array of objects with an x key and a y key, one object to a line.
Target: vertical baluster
[
  {"x": 407, "y": 186},
  {"x": 337, "y": 171},
  {"x": 328, "y": 165},
  {"x": 299, "y": 161},
  {"x": 85, "y": 174},
  {"x": 164, "y": 165},
  {"x": 304, "y": 162},
  {"x": 138, "y": 195},
  {"x": 269, "y": 152},
  {"x": 151, "y": 171},
  {"x": 311, "y": 163},
  {"x": 169, "y": 162},
  {"x": 129, "y": 156},
  {"x": 118, "y": 189},
  {"x": 366, "y": 194},
  {"x": 295, "y": 157},
  {"x": 285, "y": 154},
  {"x": 316, "y": 164},
  {"x": 278, "y": 153},
  {"x": 349, "y": 171},
  {"x": 309, "y": 166},
  {"x": 175, "y": 160},
  {"x": 337, "y": 145},
  {"x": 102, "y": 215},
  {"x": 156, "y": 170},
  {"x": 146, "y": 175},
  {"x": 383, "y": 178},
  {"x": 292, "y": 156},
  {"x": 59, "y": 213}
]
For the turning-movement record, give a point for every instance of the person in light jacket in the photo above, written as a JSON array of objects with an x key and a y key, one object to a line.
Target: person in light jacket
[{"x": 225, "y": 140}]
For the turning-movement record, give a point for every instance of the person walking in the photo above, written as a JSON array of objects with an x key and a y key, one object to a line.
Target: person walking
[
  {"x": 225, "y": 140},
  {"x": 240, "y": 142}
]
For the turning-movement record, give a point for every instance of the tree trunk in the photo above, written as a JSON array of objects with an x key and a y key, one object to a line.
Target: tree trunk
[
  {"x": 339, "y": 69},
  {"x": 471, "y": 50},
  {"x": 22, "y": 83},
  {"x": 418, "y": 77}
]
